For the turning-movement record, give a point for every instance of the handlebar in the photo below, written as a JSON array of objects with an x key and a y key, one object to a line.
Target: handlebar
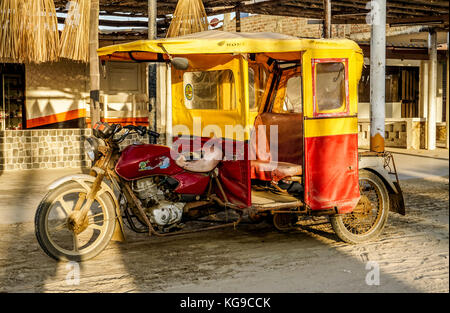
[{"x": 140, "y": 130}]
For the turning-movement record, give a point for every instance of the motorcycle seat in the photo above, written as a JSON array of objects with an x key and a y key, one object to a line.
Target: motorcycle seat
[
  {"x": 274, "y": 171},
  {"x": 210, "y": 159}
]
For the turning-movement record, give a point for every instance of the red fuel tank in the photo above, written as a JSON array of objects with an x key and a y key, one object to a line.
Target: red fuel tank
[{"x": 143, "y": 160}]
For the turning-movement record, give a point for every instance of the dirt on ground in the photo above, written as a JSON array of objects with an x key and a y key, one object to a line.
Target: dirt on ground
[{"x": 412, "y": 255}]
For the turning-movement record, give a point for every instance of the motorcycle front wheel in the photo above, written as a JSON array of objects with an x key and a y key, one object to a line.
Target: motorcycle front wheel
[{"x": 52, "y": 229}]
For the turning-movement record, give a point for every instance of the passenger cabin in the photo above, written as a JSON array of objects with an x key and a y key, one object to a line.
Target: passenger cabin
[{"x": 284, "y": 105}]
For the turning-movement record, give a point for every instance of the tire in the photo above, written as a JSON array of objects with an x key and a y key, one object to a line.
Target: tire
[
  {"x": 104, "y": 225},
  {"x": 355, "y": 227}
]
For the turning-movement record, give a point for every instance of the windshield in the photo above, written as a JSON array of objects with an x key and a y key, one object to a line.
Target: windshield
[{"x": 209, "y": 90}]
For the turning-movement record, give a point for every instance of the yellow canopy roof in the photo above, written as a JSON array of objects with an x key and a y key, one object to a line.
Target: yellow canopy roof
[{"x": 215, "y": 42}]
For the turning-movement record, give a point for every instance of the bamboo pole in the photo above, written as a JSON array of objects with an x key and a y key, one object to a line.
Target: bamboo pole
[
  {"x": 238, "y": 19},
  {"x": 94, "y": 70},
  {"x": 327, "y": 18}
]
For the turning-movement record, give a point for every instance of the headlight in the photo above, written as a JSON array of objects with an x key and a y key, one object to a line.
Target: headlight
[{"x": 91, "y": 147}]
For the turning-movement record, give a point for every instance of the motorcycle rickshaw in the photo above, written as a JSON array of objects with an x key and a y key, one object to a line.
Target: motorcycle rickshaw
[{"x": 260, "y": 126}]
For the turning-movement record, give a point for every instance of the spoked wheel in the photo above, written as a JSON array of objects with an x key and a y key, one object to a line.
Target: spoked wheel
[
  {"x": 56, "y": 231},
  {"x": 368, "y": 219}
]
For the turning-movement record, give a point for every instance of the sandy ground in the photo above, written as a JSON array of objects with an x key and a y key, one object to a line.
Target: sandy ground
[{"x": 412, "y": 254}]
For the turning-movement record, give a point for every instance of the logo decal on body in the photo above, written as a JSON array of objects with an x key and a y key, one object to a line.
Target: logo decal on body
[
  {"x": 164, "y": 162},
  {"x": 189, "y": 92}
]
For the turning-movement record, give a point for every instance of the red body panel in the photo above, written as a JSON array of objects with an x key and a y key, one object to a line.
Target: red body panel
[
  {"x": 157, "y": 161},
  {"x": 331, "y": 173},
  {"x": 233, "y": 175},
  {"x": 235, "y": 179},
  {"x": 191, "y": 183},
  {"x": 139, "y": 161}
]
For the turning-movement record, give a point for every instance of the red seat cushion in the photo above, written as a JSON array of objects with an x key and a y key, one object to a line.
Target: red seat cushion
[{"x": 274, "y": 171}]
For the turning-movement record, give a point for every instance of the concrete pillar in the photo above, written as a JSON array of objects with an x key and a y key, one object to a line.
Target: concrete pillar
[
  {"x": 423, "y": 109},
  {"x": 377, "y": 74},
  {"x": 432, "y": 86}
]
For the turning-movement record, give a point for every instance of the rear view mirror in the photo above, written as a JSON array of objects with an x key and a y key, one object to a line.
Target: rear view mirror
[{"x": 181, "y": 64}]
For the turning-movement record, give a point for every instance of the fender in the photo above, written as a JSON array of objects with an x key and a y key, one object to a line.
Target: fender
[
  {"x": 119, "y": 234},
  {"x": 375, "y": 164}
]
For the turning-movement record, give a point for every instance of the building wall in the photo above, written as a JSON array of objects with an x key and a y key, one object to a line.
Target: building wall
[
  {"x": 59, "y": 91},
  {"x": 55, "y": 92},
  {"x": 293, "y": 26},
  {"x": 302, "y": 27},
  {"x": 48, "y": 148},
  {"x": 124, "y": 91}
]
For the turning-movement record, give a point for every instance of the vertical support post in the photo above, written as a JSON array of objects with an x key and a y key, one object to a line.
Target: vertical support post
[
  {"x": 152, "y": 77},
  {"x": 105, "y": 106},
  {"x": 226, "y": 21},
  {"x": 447, "y": 108},
  {"x": 94, "y": 70},
  {"x": 169, "y": 107},
  {"x": 377, "y": 75},
  {"x": 152, "y": 27},
  {"x": 424, "y": 89},
  {"x": 238, "y": 19},
  {"x": 432, "y": 86},
  {"x": 161, "y": 100},
  {"x": 327, "y": 18}
]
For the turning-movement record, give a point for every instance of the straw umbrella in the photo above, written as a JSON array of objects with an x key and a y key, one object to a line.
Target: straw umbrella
[
  {"x": 29, "y": 31},
  {"x": 40, "y": 32},
  {"x": 10, "y": 25},
  {"x": 189, "y": 17},
  {"x": 75, "y": 35}
]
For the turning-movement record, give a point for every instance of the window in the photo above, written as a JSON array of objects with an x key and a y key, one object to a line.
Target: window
[
  {"x": 123, "y": 77},
  {"x": 212, "y": 90},
  {"x": 288, "y": 95},
  {"x": 330, "y": 87},
  {"x": 293, "y": 98},
  {"x": 256, "y": 85}
]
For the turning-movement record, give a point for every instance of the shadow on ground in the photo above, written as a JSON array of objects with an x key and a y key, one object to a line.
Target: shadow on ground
[{"x": 412, "y": 254}]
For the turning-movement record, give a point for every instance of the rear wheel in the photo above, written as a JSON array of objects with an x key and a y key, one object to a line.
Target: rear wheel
[
  {"x": 368, "y": 219},
  {"x": 52, "y": 223}
]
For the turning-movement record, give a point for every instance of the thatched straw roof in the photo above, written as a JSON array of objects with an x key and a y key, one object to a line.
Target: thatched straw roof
[
  {"x": 75, "y": 35},
  {"x": 189, "y": 17},
  {"x": 399, "y": 12},
  {"x": 29, "y": 32}
]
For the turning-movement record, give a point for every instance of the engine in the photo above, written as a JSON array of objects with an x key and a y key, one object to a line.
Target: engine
[{"x": 156, "y": 199}]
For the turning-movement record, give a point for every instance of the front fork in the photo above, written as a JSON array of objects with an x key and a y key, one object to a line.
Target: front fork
[{"x": 77, "y": 220}]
